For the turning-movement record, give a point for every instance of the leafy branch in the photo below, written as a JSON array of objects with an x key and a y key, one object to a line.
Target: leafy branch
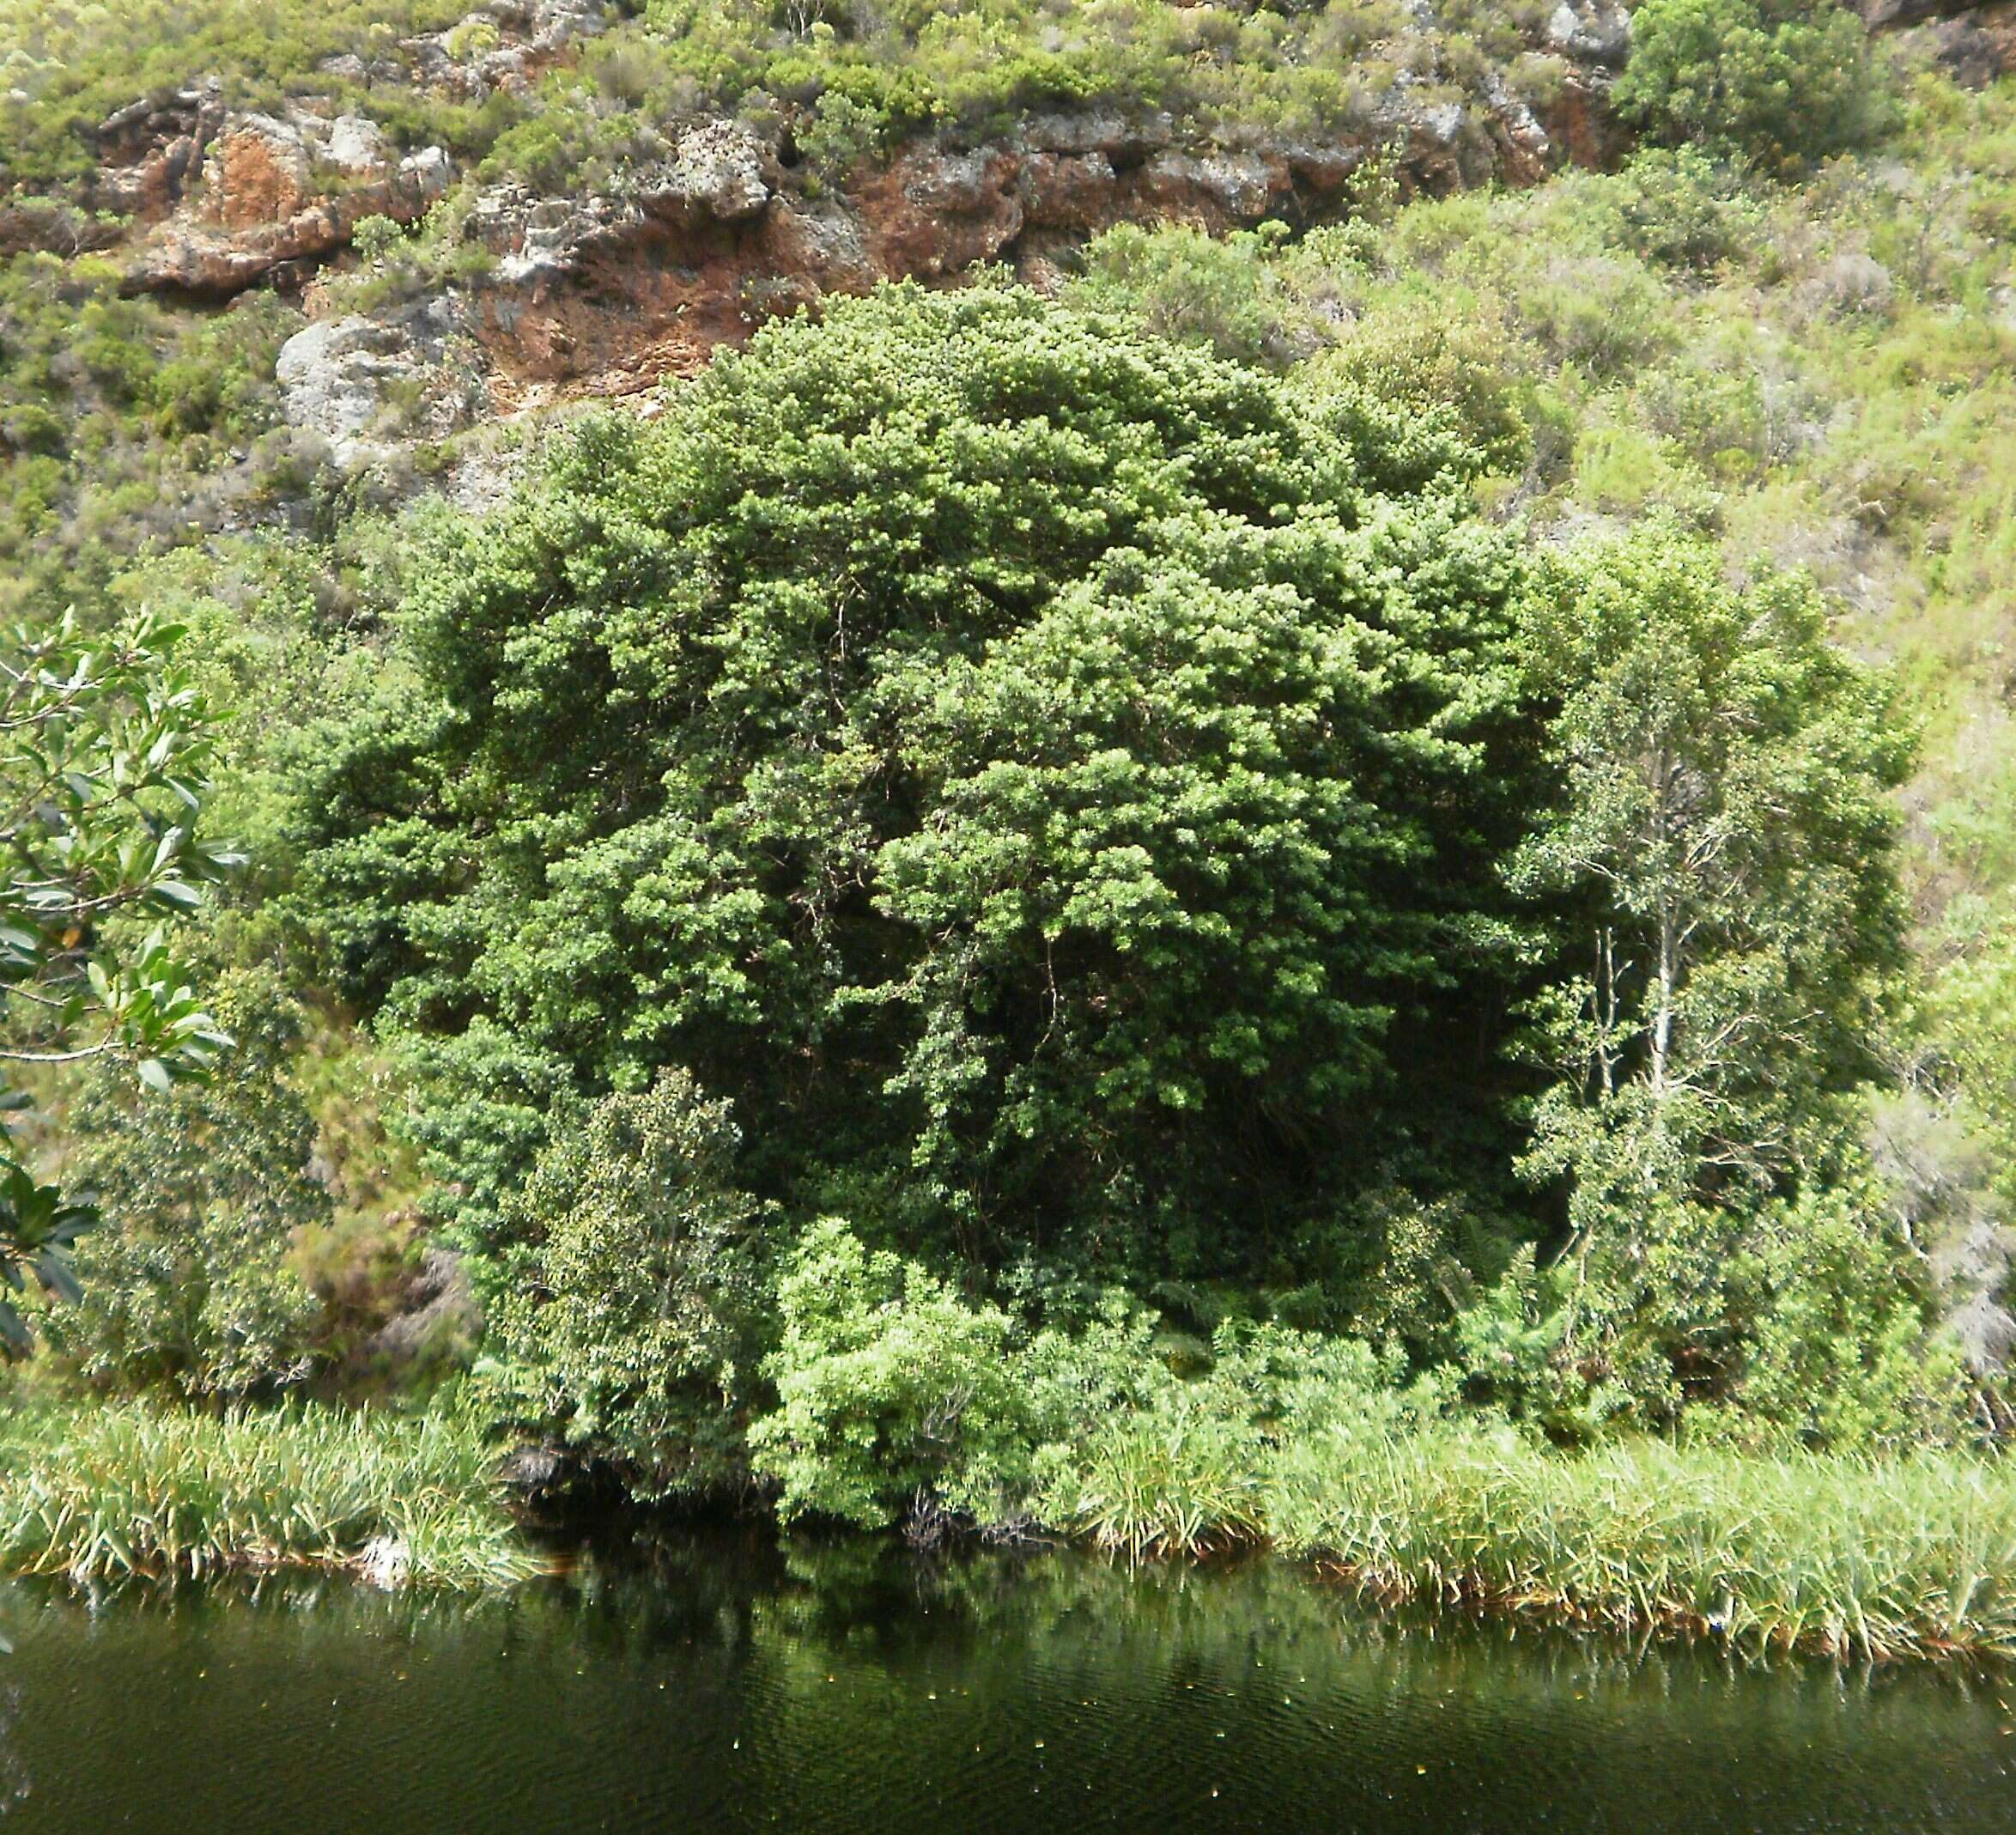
[{"x": 105, "y": 749}]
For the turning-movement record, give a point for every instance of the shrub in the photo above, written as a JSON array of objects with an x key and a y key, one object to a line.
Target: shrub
[
  {"x": 889, "y": 1386},
  {"x": 1683, "y": 208},
  {"x": 1723, "y": 73},
  {"x": 1222, "y": 292},
  {"x": 188, "y": 1281},
  {"x": 1603, "y": 314},
  {"x": 1184, "y": 1466},
  {"x": 1833, "y": 1310},
  {"x": 634, "y": 1335},
  {"x": 840, "y": 134},
  {"x": 1435, "y": 363}
]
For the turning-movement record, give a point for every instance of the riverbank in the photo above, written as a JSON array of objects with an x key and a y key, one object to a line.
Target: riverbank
[
  {"x": 1844, "y": 1557},
  {"x": 125, "y": 1490},
  {"x": 1832, "y": 1555}
]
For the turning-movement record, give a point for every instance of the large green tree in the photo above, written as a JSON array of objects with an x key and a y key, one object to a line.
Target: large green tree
[
  {"x": 1026, "y": 767},
  {"x": 1727, "y": 826},
  {"x": 1723, "y": 843}
]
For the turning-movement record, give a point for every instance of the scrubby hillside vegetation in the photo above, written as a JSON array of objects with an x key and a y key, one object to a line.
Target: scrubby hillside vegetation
[{"x": 1018, "y": 764}]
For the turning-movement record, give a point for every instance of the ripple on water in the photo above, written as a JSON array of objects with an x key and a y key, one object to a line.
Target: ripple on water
[{"x": 717, "y": 1683}]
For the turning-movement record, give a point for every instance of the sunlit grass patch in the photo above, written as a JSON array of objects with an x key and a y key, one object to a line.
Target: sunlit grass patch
[
  {"x": 1848, "y": 1556},
  {"x": 127, "y": 1490}
]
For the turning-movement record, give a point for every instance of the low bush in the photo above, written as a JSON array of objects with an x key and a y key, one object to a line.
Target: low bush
[
  {"x": 889, "y": 1386},
  {"x": 1727, "y": 73}
]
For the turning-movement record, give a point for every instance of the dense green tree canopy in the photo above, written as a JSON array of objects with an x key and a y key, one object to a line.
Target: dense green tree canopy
[{"x": 1022, "y": 764}]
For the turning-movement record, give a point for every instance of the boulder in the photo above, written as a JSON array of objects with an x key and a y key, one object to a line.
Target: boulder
[
  {"x": 501, "y": 47},
  {"x": 1123, "y": 138},
  {"x": 1987, "y": 1333},
  {"x": 1068, "y": 191},
  {"x": 332, "y": 379},
  {"x": 823, "y": 246},
  {"x": 534, "y": 1472},
  {"x": 385, "y": 1562},
  {"x": 1886, "y": 16},
  {"x": 1231, "y": 188},
  {"x": 354, "y": 144},
  {"x": 258, "y": 173},
  {"x": 931, "y": 213},
  {"x": 440, "y": 1320},
  {"x": 1579, "y": 122},
  {"x": 1525, "y": 149},
  {"x": 150, "y": 151},
  {"x": 715, "y": 175},
  {"x": 1970, "y": 55}
]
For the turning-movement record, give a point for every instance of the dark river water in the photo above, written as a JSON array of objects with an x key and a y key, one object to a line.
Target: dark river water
[{"x": 724, "y": 1684}]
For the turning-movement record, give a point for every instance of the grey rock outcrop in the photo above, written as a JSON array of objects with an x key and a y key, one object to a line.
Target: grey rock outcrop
[
  {"x": 1947, "y": 1205},
  {"x": 1885, "y": 16},
  {"x": 1591, "y": 32},
  {"x": 501, "y": 47},
  {"x": 715, "y": 174},
  {"x": 368, "y": 385},
  {"x": 152, "y": 149},
  {"x": 1987, "y": 1331},
  {"x": 439, "y": 1319},
  {"x": 1964, "y": 48}
]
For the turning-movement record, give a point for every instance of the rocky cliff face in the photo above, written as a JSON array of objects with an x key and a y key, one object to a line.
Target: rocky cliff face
[
  {"x": 722, "y": 224},
  {"x": 607, "y": 291},
  {"x": 275, "y": 198},
  {"x": 1973, "y": 43}
]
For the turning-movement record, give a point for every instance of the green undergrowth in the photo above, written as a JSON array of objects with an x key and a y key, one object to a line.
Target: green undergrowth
[
  {"x": 126, "y": 429},
  {"x": 69, "y": 63},
  {"x": 851, "y": 77},
  {"x": 896, "y": 1402},
  {"x": 126, "y": 1490}
]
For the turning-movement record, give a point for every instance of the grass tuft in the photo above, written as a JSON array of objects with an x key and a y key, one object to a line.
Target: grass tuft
[
  {"x": 122, "y": 1491},
  {"x": 1844, "y": 1556}
]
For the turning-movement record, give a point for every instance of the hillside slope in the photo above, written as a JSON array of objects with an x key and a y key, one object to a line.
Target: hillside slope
[{"x": 285, "y": 289}]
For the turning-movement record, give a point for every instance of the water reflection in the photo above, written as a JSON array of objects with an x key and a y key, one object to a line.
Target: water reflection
[{"x": 708, "y": 1683}]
